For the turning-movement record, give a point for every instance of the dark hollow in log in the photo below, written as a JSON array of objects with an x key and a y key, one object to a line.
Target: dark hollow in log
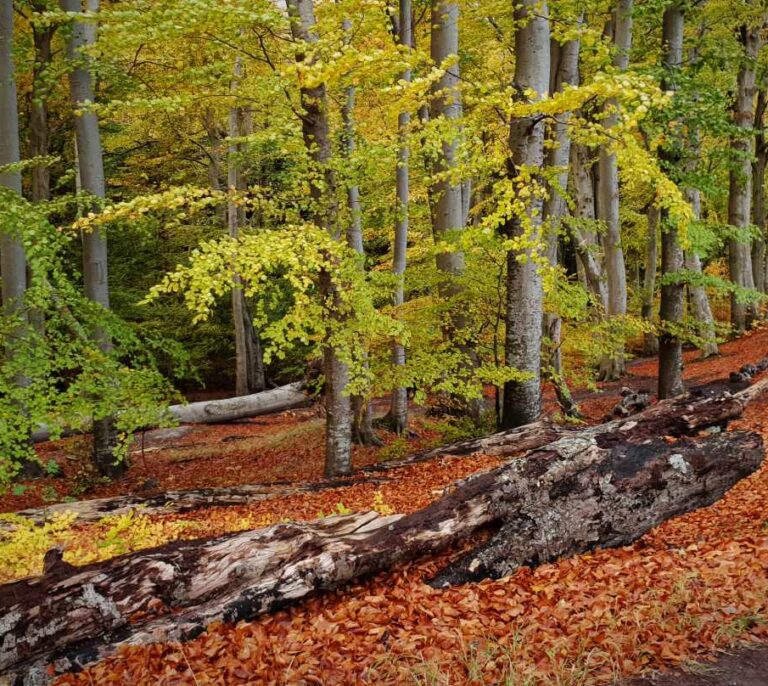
[{"x": 604, "y": 485}]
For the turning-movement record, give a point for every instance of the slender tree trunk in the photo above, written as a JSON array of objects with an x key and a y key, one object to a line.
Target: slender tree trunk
[
  {"x": 249, "y": 363},
  {"x": 362, "y": 413},
  {"x": 740, "y": 192},
  {"x": 564, "y": 70},
  {"x": 672, "y": 291},
  {"x": 315, "y": 130},
  {"x": 446, "y": 194},
  {"x": 91, "y": 171},
  {"x": 14, "y": 264},
  {"x": 758, "y": 191},
  {"x": 584, "y": 240},
  {"x": 522, "y": 399},
  {"x": 13, "y": 261},
  {"x": 650, "y": 340},
  {"x": 39, "y": 133},
  {"x": 242, "y": 386},
  {"x": 612, "y": 366},
  {"x": 398, "y": 410},
  {"x": 42, "y": 37}
]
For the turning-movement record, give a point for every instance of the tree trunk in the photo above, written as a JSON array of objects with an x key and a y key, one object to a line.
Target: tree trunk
[
  {"x": 650, "y": 339},
  {"x": 242, "y": 363},
  {"x": 91, "y": 172},
  {"x": 702, "y": 313},
  {"x": 315, "y": 131},
  {"x": 612, "y": 366},
  {"x": 522, "y": 349},
  {"x": 362, "y": 413},
  {"x": 740, "y": 194},
  {"x": 672, "y": 289},
  {"x": 39, "y": 133},
  {"x": 398, "y": 409},
  {"x": 507, "y": 444},
  {"x": 226, "y": 410},
  {"x": 446, "y": 194},
  {"x": 14, "y": 264},
  {"x": 13, "y": 261},
  {"x": 598, "y": 487},
  {"x": 584, "y": 241},
  {"x": 564, "y": 70},
  {"x": 249, "y": 362},
  {"x": 758, "y": 191}
]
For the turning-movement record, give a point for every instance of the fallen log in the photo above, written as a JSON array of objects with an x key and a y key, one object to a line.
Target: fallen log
[
  {"x": 603, "y": 486},
  {"x": 507, "y": 443},
  {"x": 179, "y": 501},
  {"x": 229, "y": 409},
  {"x": 221, "y": 411}
]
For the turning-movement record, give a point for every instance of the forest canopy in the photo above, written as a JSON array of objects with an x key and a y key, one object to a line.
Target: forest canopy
[{"x": 429, "y": 201}]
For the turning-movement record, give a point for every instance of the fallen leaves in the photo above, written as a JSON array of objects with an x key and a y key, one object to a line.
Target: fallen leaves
[{"x": 693, "y": 584}]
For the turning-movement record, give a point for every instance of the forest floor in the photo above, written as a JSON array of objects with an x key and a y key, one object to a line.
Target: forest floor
[{"x": 691, "y": 586}]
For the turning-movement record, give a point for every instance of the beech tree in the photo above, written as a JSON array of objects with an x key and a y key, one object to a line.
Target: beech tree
[
  {"x": 522, "y": 399},
  {"x": 316, "y": 133},
  {"x": 612, "y": 366},
  {"x": 672, "y": 290},
  {"x": 14, "y": 265},
  {"x": 448, "y": 195},
  {"x": 90, "y": 171},
  {"x": 398, "y": 411},
  {"x": 740, "y": 193},
  {"x": 249, "y": 362}
]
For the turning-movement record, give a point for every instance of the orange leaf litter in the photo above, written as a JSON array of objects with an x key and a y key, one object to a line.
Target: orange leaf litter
[{"x": 693, "y": 584}]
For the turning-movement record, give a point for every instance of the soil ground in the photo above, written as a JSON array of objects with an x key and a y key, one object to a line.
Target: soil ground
[{"x": 746, "y": 667}]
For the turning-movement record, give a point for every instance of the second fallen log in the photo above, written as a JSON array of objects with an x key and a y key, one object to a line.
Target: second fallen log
[{"x": 603, "y": 486}]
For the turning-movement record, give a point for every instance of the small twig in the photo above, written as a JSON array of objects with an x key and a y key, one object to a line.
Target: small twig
[{"x": 194, "y": 677}]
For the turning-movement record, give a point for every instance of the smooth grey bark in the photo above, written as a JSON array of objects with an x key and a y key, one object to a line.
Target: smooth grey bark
[
  {"x": 672, "y": 289},
  {"x": 702, "y": 313},
  {"x": 90, "y": 168},
  {"x": 14, "y": 264},
  {"x": 524, "y": 297},
  {"x": 315, "y": 131},
  {"x": 446, "y": 104},
  {"x": 446, "y": 194},
  {"x": 249, "y": 362},
  {"x": 612, "y": 366},
  {"x": 398, "y": 409},
  {"x": 362, "y": 412},
  {"x": 39, "y": 130},
  {"x": 758, "y": 191},
  {"x": 564, "y": 71},
  {"x": 585, "y": 243},
  {"x": 220, "y": 411},
  {"x": 740, "y": 188},
  {"x": 13, "y": 261},
  {"x": 650, "y": 339}
]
